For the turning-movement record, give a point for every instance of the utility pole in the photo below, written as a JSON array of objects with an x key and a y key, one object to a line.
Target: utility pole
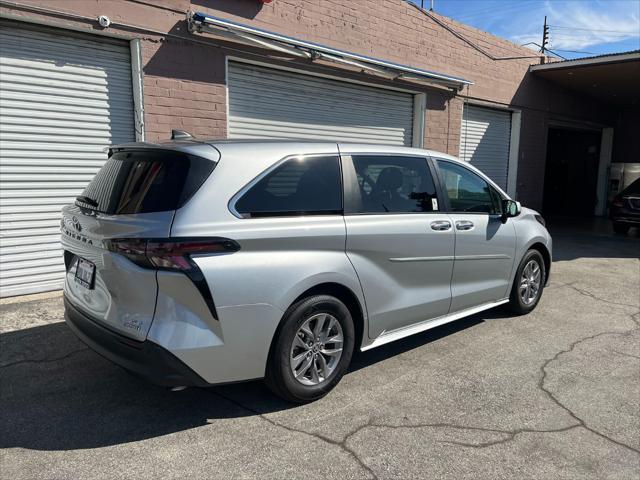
[
  {"x": 545, "y": 36},
  {"x": 422, "y": 5}
]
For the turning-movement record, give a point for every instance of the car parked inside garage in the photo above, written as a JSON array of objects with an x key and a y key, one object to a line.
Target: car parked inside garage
[
  {"x": 199, "y": 263},
  {"x": 625, "y": 208}
]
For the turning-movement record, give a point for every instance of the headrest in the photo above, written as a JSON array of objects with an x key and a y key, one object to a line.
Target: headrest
[{"x": 390, "y": 179}]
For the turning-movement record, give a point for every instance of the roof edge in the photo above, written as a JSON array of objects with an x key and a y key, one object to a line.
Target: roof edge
[{"x": 588, "y": 61}]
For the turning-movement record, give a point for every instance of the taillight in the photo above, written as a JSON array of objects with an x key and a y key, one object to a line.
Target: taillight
[
  {"x": 169, "y": 253},
  {"x": 617, "y": 201},
  {"x": 174, "y": 254}
]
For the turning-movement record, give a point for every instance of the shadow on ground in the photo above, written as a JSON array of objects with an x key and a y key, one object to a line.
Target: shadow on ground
[
  {"x": 58, "y": 395},
  {"x": 55, "y": 394}
]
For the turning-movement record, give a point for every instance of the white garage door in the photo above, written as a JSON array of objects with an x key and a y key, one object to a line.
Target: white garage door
[
  {"x": 484, "y": 141},
  {"x": 63, "y": 99},
  {"x": 268, "y": 103}
]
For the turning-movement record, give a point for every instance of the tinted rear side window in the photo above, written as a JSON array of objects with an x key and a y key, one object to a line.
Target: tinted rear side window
[
  {"x": 299, "y": 186},
  {"x": 146, "y": 181},
  {"x": 394, "y": 184}
]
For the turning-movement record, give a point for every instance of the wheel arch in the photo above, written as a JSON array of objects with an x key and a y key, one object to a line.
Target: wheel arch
[
  {"x": 546, "y": 257},
  {"x": 343, "y": 293}
]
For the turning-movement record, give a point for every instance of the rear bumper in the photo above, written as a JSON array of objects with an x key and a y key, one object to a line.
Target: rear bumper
[{"x": 145, "y": 359}]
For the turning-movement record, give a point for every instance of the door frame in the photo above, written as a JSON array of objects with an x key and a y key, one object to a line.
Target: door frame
[{"x": 604, "y": 170}]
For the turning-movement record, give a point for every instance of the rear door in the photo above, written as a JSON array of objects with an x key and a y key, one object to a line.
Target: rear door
[
  {"x": 484, "y": 247},
  {"x": 399, "y": 241},
  {"x": 131, "y": 199}
]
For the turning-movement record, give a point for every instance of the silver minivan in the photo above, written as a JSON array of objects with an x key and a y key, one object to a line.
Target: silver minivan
[{"x": 193, "y": 263}]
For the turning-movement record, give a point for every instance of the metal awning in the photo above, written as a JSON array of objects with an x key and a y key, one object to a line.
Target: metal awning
[
  {"x": 202, "y": 23},
  {"x": 612, "y": 78}
]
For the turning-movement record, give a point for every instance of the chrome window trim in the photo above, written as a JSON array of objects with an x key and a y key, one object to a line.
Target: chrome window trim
[{"x": 231, "y": 205}]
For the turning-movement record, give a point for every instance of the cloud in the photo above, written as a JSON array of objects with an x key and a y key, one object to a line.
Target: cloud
[{"x": 579, "y": 25}]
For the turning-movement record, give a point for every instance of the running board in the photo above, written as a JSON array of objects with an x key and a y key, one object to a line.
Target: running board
[{"x": 393, "y": 335}]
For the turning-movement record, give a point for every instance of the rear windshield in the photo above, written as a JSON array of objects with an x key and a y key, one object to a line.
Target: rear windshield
[{"x": 145, "y": 181}]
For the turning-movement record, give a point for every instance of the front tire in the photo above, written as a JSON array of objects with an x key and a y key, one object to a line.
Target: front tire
[
  {"x": 312, "y": 349},
  {"x": 528, "y": 283}
]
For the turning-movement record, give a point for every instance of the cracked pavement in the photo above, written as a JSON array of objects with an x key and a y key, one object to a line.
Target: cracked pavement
[{"x": 555, "y": 394}]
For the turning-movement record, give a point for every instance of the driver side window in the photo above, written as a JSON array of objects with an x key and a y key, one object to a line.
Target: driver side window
[{"x": 467, "y": 192}]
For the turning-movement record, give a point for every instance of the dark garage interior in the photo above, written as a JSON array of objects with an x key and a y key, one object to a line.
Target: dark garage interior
[{"x": 571, "y": 172}]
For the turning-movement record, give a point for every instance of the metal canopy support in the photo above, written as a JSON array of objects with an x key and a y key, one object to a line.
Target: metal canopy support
[{"x": 202, "y": 23}]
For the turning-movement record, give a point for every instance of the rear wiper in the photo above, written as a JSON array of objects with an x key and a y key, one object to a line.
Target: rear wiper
[{"x": 87, "y": 200}]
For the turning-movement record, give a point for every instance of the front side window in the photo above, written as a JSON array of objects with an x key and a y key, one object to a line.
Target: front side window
[
  {"x": 394, "y": 184},
  {"x": 467, "y": 191},
  {"x": 299, "y": 186}
]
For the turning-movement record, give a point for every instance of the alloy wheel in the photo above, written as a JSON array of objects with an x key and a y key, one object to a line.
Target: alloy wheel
[
  {"x": 316, "y": 349},
  {"x": 530, "y": 282}
]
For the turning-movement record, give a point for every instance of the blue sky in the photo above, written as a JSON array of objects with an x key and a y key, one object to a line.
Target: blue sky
[{"x": 591, "y": 26}]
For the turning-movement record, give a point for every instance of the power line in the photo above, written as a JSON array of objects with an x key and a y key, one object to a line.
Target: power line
[
  {"x": 591, "y": 29},
  {"x": 479, "y": 14},
  {"x": 572, "y": 51},
  {"x": 469, "y": 13},
  {"x": 546, "y": 49}
]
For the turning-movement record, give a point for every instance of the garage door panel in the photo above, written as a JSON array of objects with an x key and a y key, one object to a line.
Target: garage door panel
[
  {"x": 307, "y": 85},
  {"x": 63, "y": 100},
  {"x": 26, "y": 123},
  {"x": 485, "y": 141},
  {"x": 46, "y": 101},
  {"x": 50, "y": 247},
  {"x": 355, "y": 113},
  {"x": 53, "y": 111},
  {"x": 54, "y": 72},
  {"x": 79, "y": 55},
  {"x": 329, "y": 103},
  {"x": 25, "y": 275},
  {"x": 268, "y": 103},
  {"x": 250, "y": 124}
]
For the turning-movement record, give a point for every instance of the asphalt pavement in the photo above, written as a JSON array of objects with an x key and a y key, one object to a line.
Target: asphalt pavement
[{"x": 554, "y": 394}]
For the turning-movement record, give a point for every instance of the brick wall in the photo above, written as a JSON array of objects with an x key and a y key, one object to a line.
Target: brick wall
[
  {"x": 184, "y": 79},
  {"x": 184, "y": 88}
]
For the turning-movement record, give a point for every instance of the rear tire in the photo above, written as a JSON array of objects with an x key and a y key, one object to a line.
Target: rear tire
[
  {"x": 312, "y": 349},
  {"x": 528, "y": 283},
  {"x": 621, "y": 228}
]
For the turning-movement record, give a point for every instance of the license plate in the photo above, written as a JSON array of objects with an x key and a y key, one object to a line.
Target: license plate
[{"x": 85, "y": 273}]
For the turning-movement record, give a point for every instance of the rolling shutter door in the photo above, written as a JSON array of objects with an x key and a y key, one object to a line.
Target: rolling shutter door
[
  {"x": 63, "y": 99},
  {"x": 268, "y": 103},
  {"x": 484, "y": 141}
]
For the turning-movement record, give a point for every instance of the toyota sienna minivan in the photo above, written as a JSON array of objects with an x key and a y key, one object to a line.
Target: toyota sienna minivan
[{"x": 193, "y": 263}]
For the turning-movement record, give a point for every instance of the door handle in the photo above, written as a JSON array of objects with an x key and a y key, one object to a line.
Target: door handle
[
  {"x": 464, "y": 225},
  {"x": 441, "y": 225}
]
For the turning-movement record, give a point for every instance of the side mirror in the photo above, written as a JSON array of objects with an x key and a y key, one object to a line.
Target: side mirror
[{"x": 510, "y": 208}]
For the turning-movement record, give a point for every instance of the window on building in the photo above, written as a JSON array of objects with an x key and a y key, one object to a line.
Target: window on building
[
  {"x": 394, "y": 184},
  {"x": 467, "y": 191},
  {"x": 299, "y": 186}
]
